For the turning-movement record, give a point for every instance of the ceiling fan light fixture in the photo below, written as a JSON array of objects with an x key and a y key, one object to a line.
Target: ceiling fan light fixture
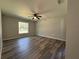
[{"x": 35, "y": 18}]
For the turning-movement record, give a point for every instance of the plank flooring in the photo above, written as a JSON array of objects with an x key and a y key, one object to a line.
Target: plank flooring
[{"x": 33, "y": 48}]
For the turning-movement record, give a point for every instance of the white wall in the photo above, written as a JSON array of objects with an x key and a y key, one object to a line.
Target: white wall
[
  {"x": 0, "y": 35},
  {"x": 52, "y": 28},
  {"x": 72, "y": 35},
  {"x": 10, "y": 27}
]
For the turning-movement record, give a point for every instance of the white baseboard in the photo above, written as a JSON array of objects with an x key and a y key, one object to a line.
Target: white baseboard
[
  {"x": 4, "y": 39},
  {"x": 39, "y": 35},
  {"x": 53, "y": 37},
  {"x": 10, "y": 38}
]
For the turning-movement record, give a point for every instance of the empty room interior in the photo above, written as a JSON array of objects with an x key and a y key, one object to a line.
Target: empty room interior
[{"x": 33, "y": 29}]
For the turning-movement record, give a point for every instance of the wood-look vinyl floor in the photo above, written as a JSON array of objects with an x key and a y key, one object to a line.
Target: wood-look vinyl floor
[{"x": 33, "y": 48}]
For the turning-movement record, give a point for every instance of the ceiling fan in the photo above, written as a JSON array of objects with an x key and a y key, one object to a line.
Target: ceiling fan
[
  {"x": 36, "y": 16},
  {"x": 38, "y": 13}
]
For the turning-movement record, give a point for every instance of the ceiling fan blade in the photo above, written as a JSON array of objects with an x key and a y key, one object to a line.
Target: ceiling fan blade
[
  {"x": 39, "y": 16},
  {"x": 51, "y": 17},
  {"x": 33, "y": 11},
  {"x": 29, "y": 17},
  {"x": 47, "y": 11},
  {"x": 33, "y": 18},
  {"x": 45, "y": 17}
]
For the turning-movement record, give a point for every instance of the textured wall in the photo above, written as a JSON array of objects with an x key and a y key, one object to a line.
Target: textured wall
[
  {"x": 52, "y": 28},
  {"x": 10, "y": 27}
]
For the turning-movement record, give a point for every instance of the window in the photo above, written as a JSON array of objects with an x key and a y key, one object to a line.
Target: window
[{"x": 23, "y": 27}]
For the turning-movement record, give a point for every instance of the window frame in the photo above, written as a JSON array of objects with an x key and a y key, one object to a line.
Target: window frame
[{"x": 19, "y": 29}]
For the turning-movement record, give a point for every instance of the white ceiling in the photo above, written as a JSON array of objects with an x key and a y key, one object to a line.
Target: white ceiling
[{"x": 24, "y": 8}]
